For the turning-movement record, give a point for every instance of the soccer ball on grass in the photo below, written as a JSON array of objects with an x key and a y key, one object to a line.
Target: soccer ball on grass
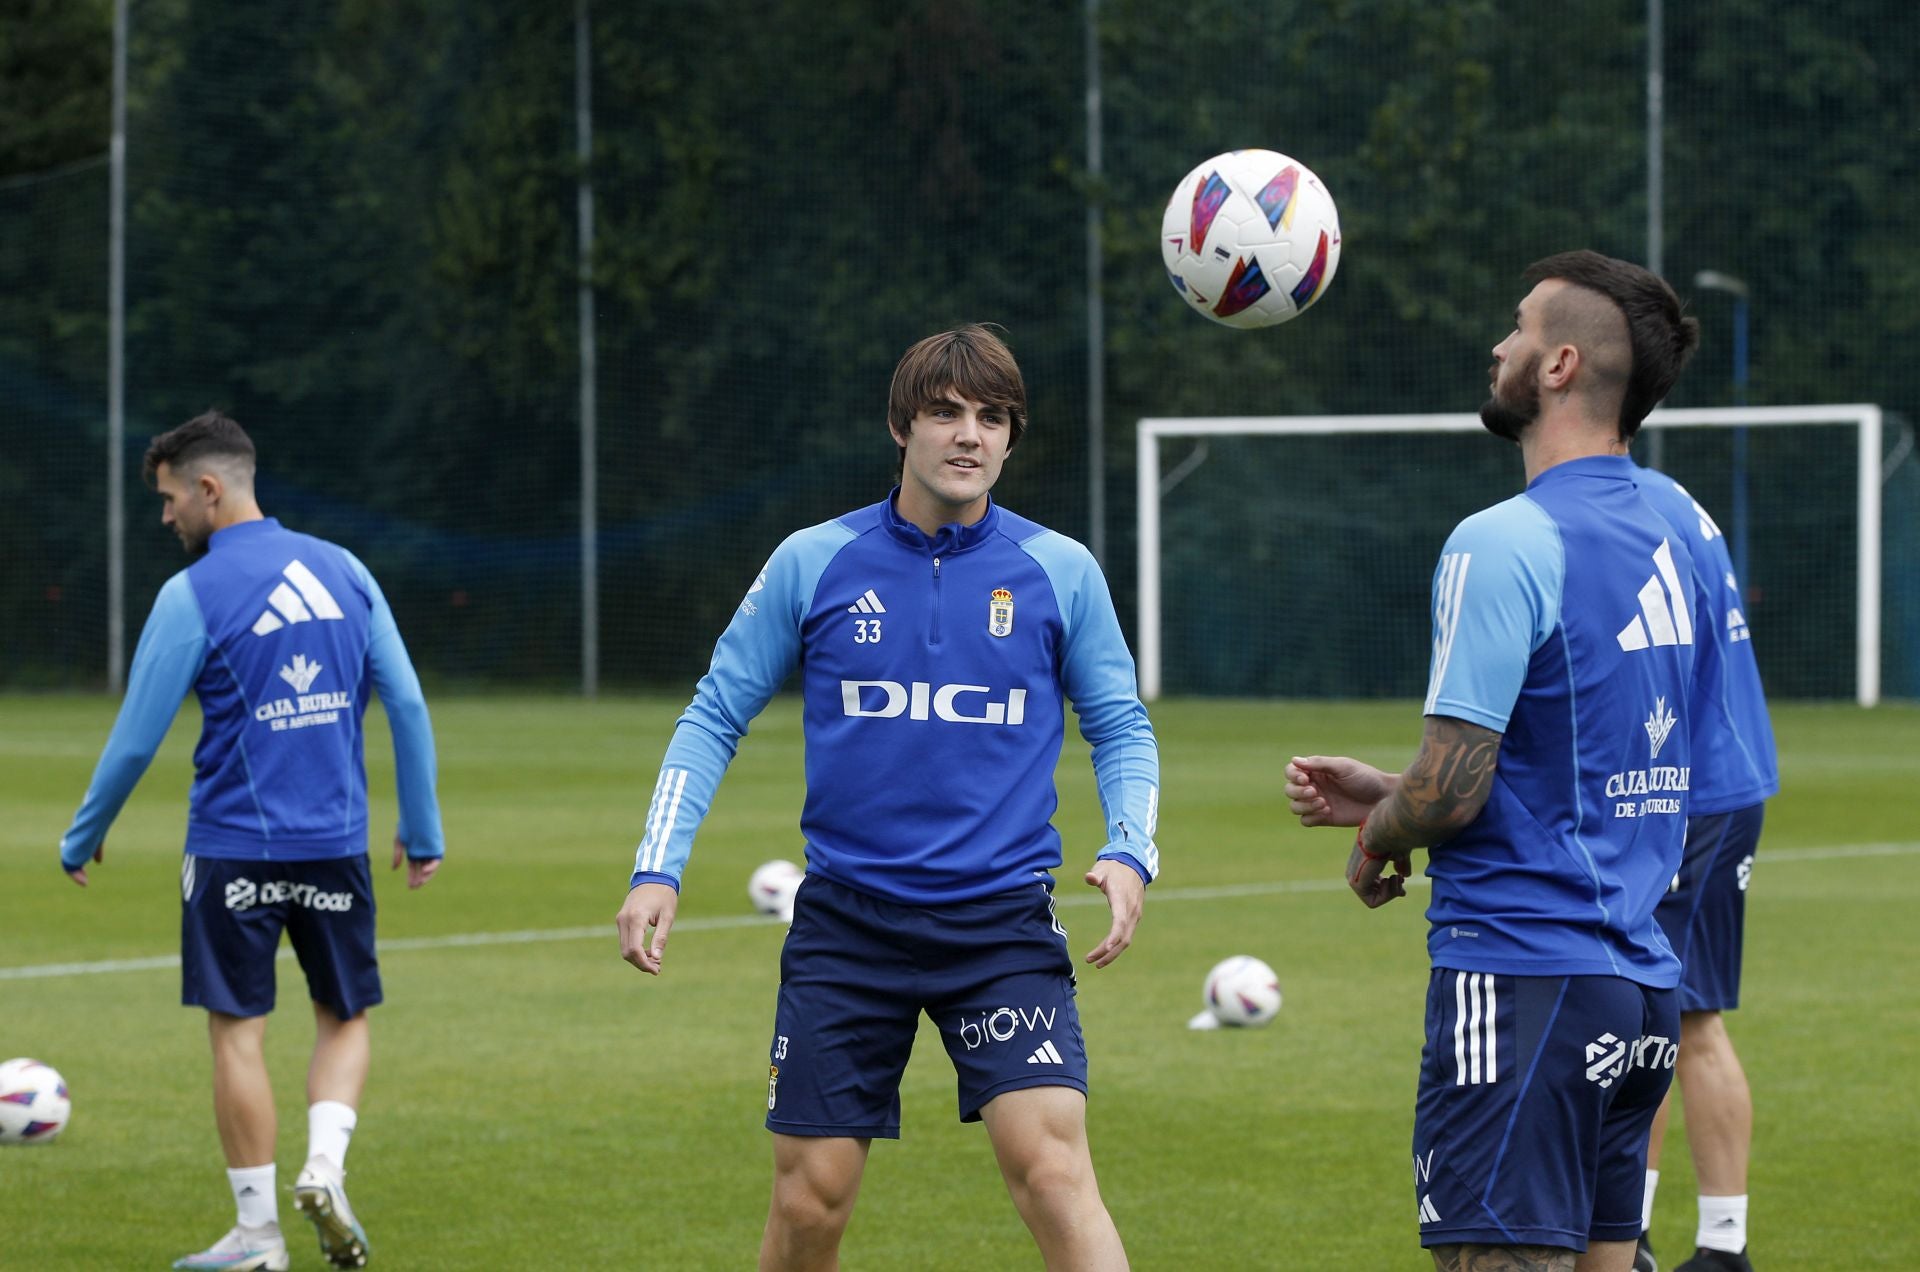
[
  {"x": 33, "y": 1102},
  {"x": 1250, "y": 238},
  {"x": 1242, "y": 990},
  {"x": 772, "y": 887}
]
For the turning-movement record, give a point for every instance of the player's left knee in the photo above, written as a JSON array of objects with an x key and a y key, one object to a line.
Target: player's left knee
[{"x": 1055, "y": 1173}]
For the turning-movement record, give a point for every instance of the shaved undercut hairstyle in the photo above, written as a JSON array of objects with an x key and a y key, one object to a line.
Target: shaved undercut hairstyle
[
  {"x": 1659, "y": 337},
  {"x": 970, "y": 360},
  {"x": 210, "y": 438}
]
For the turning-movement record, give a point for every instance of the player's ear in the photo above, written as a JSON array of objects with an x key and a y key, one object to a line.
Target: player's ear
[{"x": 1559, "y": 370}]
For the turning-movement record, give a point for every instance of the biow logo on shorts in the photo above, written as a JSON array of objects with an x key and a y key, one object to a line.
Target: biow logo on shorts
[
  {"x": 1002, "y": 1023},
  {"x": 244, "y": 894}
]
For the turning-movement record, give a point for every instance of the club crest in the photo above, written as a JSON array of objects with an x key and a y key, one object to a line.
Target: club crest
[{"x": 1000, "y": 612}]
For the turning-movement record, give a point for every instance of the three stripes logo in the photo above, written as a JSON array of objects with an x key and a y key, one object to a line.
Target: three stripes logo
[
  {"x": 662, "y": 815},
  {"x": 1663, "y": 618},
  {"x": 868, "y": 603},
  {"x": 1046, "y": 1053},
  {"x": 1449, "y": 586},
  {"x": 305, "y": 600},
  {"x": 1476, "y": 1037},
  {"x": 1428, "y": 1214},
  {"x": 1709, "y": 529}
]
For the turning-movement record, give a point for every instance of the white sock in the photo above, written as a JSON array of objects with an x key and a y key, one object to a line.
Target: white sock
[
  {"x": 1646, "y": 1202},
  {"x": 329, "y": 1127},
  {"x": 253, "y": 1195},
  {"x": 1723, "y": 1224}
]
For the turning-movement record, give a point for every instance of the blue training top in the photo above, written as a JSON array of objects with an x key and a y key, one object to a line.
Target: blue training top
[
  {"x": 278, "y": 634},
  {"x": 934, "y": 673},
  {"x": 1564, "y": 620},
  {"x": 1734, "y": 763}
]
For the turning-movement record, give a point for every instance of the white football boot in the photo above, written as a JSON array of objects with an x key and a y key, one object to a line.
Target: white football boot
[
  {"x": 242, "y": 1250},
  {"x": 320, "y": 1194}
]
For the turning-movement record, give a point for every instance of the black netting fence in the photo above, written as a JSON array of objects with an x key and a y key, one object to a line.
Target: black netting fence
[{"x": 354, "y": 225}]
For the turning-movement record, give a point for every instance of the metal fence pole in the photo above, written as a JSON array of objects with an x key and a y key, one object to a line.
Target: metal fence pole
[
  {"x": 589, "y": 403},
  {"x": 117, "y": 364},
  {"x": 1096, "y": 316}
]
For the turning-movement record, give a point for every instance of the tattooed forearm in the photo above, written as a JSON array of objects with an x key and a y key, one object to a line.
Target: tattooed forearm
[
  {"x": 1482, "y": 1258},
  {"x": 1442, "y": 790}
]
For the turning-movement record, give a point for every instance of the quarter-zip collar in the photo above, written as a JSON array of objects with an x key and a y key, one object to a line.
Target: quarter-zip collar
[{"x": 951, "y": 538}]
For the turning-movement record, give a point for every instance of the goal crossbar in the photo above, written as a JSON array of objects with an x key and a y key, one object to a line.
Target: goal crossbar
[{"x": 1866, "y": 419}]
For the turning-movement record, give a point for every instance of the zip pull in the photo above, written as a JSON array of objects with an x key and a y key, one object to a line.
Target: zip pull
[{"x": 936, "y": 567}]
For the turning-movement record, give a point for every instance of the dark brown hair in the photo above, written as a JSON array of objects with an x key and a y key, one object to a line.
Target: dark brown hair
[
  {"x": 207, "y": 436},
  {"x": 970, "y": 360},
  {"x": 1662, "y": 338}
]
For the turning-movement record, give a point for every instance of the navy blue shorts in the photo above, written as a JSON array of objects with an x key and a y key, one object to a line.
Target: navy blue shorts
[
  {"x": 1536, "y": 1096},
  {"x": 856, "y": 972},
  {"x": 231, "y": 916},
  {"x": 1704, "y": 913}
]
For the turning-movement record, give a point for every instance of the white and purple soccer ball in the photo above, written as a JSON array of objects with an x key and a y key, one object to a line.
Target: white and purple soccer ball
[
  {"x": 1250, "y": 238},
  {"x": 772, "y": 887},
  {"x": 1242, "y": 990},
  {"x": 34, "y": 1107}
]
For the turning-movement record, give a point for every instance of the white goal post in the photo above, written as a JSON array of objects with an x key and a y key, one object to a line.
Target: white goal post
[{"x": 1865, "y": 418}]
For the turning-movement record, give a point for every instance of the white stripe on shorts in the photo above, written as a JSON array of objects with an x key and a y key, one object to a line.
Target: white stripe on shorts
[{"x": 1475, "y": 1032}]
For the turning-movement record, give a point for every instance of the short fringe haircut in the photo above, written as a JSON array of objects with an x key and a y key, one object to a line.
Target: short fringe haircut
[{"x": 970, "y": 360}]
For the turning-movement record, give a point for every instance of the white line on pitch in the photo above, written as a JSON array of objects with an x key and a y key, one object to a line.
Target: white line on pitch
[{"x": 604, "y": 931}]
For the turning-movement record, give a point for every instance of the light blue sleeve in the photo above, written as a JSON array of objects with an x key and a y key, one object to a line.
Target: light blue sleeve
[
  {"x": 167, "y": 661},
  {"x": 414, "y": 762},
  {"x": 1496, "y": 599},
  {"x": 1097, "y": 674},
  {"x": 751, "y": 660}
]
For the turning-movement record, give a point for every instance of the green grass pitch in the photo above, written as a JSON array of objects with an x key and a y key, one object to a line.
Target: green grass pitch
[{"x": 535, "y": 1102}]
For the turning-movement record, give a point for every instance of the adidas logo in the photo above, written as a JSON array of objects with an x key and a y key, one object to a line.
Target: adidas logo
[
  {"x": 249, "y": 1191},
  {"x": 1663, "y": 617},
  {"x": 867, "y": 604},
  {"x": 1427, "y": 1212},
  {"x": 305, "y": 601},
  {"x": 1046, "y": 1054}
]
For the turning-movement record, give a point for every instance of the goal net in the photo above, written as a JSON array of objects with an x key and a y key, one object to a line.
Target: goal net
[{"x": 1292, "y": 556}]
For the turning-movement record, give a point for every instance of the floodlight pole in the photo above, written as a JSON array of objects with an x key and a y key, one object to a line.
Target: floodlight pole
[
  {"x": 589, "y": 360},
  {"x": 1656, "y": 169},
  {"x": 117, "y": 363},
  {"x": 1096, "y": 317},
  {"x": 1714, "y": 280}
]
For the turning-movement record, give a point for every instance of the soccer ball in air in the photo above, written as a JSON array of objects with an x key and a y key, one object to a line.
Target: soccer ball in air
[
  {"x": 33, "y": 1102},
  {"x": 1242, "y": 990},
  {"x": 772, "y": 887},
  {"x": 1250, "y": 238}
]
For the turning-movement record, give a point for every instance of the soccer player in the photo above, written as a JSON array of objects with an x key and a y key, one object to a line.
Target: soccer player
[
  {"x": 280, "y": 635},
  {"x": 938, "y": 638},
  {"x": 1703, "y": 913},
  {"x": 1549, "y": 789}
]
